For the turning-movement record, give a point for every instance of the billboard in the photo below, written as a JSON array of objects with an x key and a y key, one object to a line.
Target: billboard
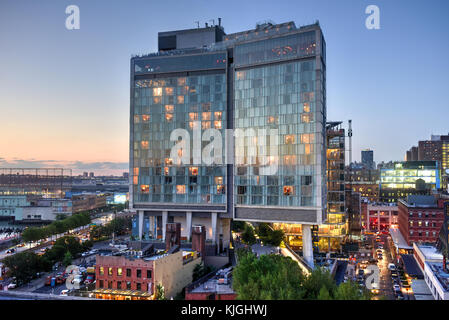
[{"x": 120, "y": 198}]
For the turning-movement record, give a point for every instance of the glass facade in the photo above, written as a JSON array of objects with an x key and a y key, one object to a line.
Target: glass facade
[
  {"x": 298, "y": 45},
  {"x": 282, "y": 97},
  {"x": 161, "y": 105}
]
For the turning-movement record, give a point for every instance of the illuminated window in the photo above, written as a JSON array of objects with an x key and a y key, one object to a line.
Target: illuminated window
[
  {"x": 135, "y": 180},
  {"x": 306, "y": 117},
  {"x": 205, "y": 124},
  {"x": 193, "y": 125},
  {"x": 136, "y": 119},
  {"x": 101, "y": 270},
  {"x": 144, "y": 144},
  {"x": 180, "y": 189},
  {"x": 218, "y": 180},
  {"x": 220, "y": 189},
  {"x": 168, "y": 117},
  {"x": 217, "y": 124},
  {"x": 157, "y": 92},
  {"x": 217, "y": 115},
  {"x": 193, "y": 116},
  {"x": 110, "y": 271},
  {"x": 136, "y": 171},
  {"x": 180, "y": 99},
  {"x": 306, "y": 107},
  {"x": 169, "y": 91},
  {"x": 157, "y": 100},
  {"x": 144, "y": 188},
  {"x": 288, "y": 190},
  {"x": 205, "y": 116},
  {"x": 272, "y": 119},
  {"x": 169, "y": 108},
  {"x": 308, "y": 149},
  {"x": 168, "y": 161},
  {"x": 290, "y": 139},
  {"x": 119, "y": 271},
  {"x": 145, "y": 118},
  {"x": 181, "y": 82},
  {"x": 193, "y": 171},
  {"x": 166, "y": 171},
  {"x": 307, "y": 138}
]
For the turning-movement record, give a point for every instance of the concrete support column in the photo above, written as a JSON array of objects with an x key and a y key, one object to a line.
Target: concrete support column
[
  {"x": 140, "y": 213},
  {"x": 214, "y": 227},
  {"x": 152, "y": 229},
  {"x": 164, "y": 223},
  {"x": 307, "y": 246},
  {"x": 189, "y": 225}
]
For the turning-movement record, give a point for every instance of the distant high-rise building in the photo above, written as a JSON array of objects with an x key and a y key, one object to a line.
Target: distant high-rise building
[
  {"x": 409, "y": 178},
  {"x": 85, "y": 174},
  {"x": 412, "y": 154},
  {"x": 368, "y": 158},
  {"x": 91, "y": 174}
]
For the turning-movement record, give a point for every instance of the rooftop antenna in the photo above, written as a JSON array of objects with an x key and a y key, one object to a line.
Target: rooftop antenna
[
  {"x": 219, "y": 22},
  {"x": 197, "y": 24},
  {"x": 213, "y": 22}
]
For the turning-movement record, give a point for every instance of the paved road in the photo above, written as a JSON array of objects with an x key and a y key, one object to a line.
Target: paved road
[{"x": 385, "y": 285}]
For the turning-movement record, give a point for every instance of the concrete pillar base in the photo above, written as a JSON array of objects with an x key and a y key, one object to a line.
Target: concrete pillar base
[{"x": 307, "y": 246}]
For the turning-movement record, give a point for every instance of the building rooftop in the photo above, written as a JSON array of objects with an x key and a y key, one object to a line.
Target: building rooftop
[
  {"x": 420, "y": 201},
  {"x": 420, "y": 290},
  {"x": 443, "y": 277},
  {"x": 430, "y": 252},
  {"x": 411, "y": 266},
  {"x": 398, "y": 239}
]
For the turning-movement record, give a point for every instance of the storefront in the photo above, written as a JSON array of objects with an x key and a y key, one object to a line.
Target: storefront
[{"x": 111, "y": 294}]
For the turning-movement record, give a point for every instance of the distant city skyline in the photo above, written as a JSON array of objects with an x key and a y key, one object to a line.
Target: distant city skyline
[{"x": 64, "y": 95}]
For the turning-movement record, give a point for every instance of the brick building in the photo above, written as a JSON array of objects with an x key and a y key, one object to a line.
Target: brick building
[{"x": 420, "y": 218}]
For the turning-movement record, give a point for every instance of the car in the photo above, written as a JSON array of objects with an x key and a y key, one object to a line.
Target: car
[
  {"x": 12, "y": 250},
  {"x": 396, "y": 287},
  {"x": 361, "y": 272},
  {"x": 391, "y": 266},
  {"x": 380, "y": 247},
  {"x": 89, "y": 279},
  {"x": 12, "y": 285},
  {"x": 394, "y": 274},
  {"x": 85, "y": 254},
  {"x": 379, "y": 257},
  {"x": 64, "y": 292}
]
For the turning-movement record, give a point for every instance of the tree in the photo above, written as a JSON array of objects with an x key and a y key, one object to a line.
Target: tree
[
  {"x": 201, "y": 270},
  {"x": 350, "y": 291},
  {"x": 275, "y": 237},
  {"x": 315, "y": 282},
  {"x": 270, "y": 277},
  {"x": 67, "y": 259},
  {"x": 248, "y": 236},
  {"x": 24, "y": 266},
  {"x": 160, "y": 292},
  {"x": 238, "y": 226}
]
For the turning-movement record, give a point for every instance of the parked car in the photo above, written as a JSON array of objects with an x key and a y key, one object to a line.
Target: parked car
[
  {"x": 391, "y": 266},
  {"x": 396, "y": 287},
  {"x": 12, "y": 285},
  {"x": 64, "y": 292},
  {"x": 12, "y": 250}
]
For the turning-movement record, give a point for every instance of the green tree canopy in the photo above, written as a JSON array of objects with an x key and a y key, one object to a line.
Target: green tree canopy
[
  {"x": 270, "y": 277},
  {"x": 248, "y": 235}
]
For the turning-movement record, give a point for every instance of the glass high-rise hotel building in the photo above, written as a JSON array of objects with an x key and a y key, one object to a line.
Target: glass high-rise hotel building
[{"x": 271, "y": 77}]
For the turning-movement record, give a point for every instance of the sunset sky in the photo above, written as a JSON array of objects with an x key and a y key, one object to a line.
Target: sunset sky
[{"x": 64, "y": 95}]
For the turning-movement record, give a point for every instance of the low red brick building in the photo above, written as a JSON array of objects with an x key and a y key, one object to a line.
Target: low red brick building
[{"x": 420, "y": 218}]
